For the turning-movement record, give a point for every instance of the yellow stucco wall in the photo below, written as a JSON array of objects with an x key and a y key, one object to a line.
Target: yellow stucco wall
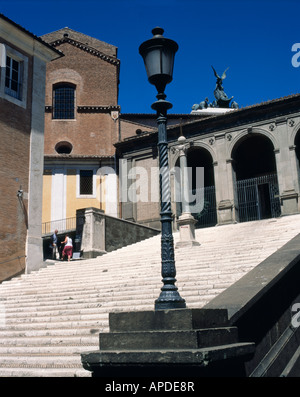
[{"x": 72, "y": 202}]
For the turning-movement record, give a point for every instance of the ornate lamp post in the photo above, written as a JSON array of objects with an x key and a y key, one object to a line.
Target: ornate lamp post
[{"x": 158, "y": 54}]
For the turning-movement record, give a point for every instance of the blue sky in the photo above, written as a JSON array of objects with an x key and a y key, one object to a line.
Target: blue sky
[{"x": 253, "y": 38}]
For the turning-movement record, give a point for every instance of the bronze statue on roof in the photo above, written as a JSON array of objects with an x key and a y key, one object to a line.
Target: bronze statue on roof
[{"x": 221, "y": 98}]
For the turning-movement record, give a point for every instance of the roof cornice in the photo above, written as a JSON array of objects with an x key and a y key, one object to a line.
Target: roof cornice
[
  {"x": 34, "y": 45},
  {"x": 250, "y": 114},
  {"x": 86, "y": 48}
]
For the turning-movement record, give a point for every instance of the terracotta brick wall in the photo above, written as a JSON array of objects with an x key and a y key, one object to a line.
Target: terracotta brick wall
[
  {"x": 15, "y": 126},
  {"x": 93, "y": 131}
]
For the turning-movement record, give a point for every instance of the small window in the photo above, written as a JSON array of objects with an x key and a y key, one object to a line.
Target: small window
[
  {"x": 63, "y": 147},
  {"x": 13, "y": 77},
  {"x": 64, "y": 101},
  {"x": 86, "y": 182}
]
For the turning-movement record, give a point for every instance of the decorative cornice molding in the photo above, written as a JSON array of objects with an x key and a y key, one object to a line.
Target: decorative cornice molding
[
  {"x": 90, "y": 109},
  {"x": 97, "y": 109},
  {"x": 86, "y": 48}
]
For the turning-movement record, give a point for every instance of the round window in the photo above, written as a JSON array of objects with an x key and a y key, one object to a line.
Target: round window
[{"x": 63, "y": 147}]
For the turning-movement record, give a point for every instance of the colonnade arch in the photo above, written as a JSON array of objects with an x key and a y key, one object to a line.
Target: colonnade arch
[
  {"x": 297, "y": 150},
  {"x": 255, "y": 175},
  {"x": 200, "y": 157}
]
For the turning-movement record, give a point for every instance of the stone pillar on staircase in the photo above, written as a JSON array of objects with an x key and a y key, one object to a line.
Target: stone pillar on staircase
[
  {"x": 91, "y": 232},
  {"x": 186, "y": 221}
]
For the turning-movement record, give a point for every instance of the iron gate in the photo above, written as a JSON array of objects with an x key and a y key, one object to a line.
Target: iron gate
[
  {"x": 258, "y": 198},
  {"x": 208, "y": 215}
]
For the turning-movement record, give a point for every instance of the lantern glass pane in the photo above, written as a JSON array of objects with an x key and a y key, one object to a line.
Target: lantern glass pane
[
  {"x": 167, "y": 62},
  {"x": 153, "y": 62}
]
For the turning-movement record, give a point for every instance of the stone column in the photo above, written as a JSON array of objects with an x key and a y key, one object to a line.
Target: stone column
[
  {"x": 186, "y": 220},
  {"x": 34, "y": 242},
  {"x": 295, "y": 173},
  {"x": 128, "y": 210},
  {"x": 224, "y": 182},
  {"x": 286, "y": 168}
]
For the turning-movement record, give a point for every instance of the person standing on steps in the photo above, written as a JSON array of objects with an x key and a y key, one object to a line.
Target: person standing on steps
[
  {"x": 54, "y": 246},
  {"x": 68, "y": 248}
]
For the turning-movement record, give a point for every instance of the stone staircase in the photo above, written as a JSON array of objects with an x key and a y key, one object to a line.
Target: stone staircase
[{"x": 49, "y": 317}]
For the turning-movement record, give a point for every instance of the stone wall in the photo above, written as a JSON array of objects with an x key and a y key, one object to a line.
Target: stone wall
[
  {"x": 21, "y": 156},
  {"x": 119, "y": 233},
  {"x": 262, "y": 305},
  {"x": 99, "y": 233}
]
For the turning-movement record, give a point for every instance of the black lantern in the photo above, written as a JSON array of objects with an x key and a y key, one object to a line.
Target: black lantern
[{"x": 158, "y": 54}]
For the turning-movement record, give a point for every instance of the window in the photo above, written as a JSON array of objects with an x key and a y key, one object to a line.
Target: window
[
  {"x": 63, "y": 101},
  {"x": 13, "y": 77},
  {"x": 63, "y": 147},
  {"x": 86, "y": 182}
]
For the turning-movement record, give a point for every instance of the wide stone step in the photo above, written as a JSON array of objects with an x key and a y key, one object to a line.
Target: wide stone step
[
  {"x": 46, "y": 349},
  {"x": 92, "y": 324},
  {"x": 35, "y": 310},
  {"x": 58, "y": 340},
  {"x": 40, "y": 360},
  {"x": 16, "y": 335},
  {"x": 186, "y": 339},
  {"x": 33, "y": 371},
  {"x": 168, "y": 356}
]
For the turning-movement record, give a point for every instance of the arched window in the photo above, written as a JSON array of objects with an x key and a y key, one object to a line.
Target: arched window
[{"x": 64, "y": 101}]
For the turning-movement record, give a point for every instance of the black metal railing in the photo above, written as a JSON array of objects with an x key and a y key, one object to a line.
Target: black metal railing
[{"x": 62, "y": 225}]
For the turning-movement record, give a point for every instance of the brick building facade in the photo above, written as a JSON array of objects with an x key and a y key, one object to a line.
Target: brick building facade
[
  {"x": 81, "y": 126},
  {"x": 23, "y": 59}
]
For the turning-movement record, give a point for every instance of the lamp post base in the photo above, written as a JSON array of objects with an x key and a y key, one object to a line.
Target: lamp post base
[{"x": 165, "y": 301}]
